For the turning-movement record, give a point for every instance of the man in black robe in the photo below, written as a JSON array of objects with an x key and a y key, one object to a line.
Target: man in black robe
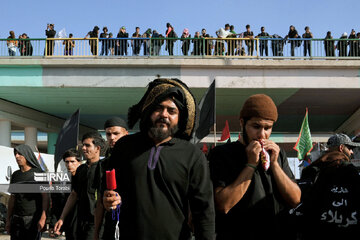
[
  {"x": 26, "y": 211},
  {"x": 251, "y": 198},
  {"x": 161, "y": 177},
  {"x": 115, "y": 128},
  {"x": 84, "y": 191},
  {"x": 72, "y": 161}
]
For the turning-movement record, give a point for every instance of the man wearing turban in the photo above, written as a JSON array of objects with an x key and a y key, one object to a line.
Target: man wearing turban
[
  {"x": 253, "y": 184},
  {"x": 162, "y": 177},
  {"x": 115, "y": 128}
]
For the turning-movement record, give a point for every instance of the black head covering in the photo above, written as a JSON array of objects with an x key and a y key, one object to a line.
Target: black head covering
[
  {"x": 115, "y": 122},
  {"x": 29, "y": 155},
  {"x": 158, "y": 90}
]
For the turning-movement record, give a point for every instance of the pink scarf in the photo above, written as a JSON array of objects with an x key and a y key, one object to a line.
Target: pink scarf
[
  {"x": 169, "y": 30},
  {"x": 186, "y": 32}
]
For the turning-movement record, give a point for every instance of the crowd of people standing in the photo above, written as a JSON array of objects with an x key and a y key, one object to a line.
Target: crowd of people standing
[
  {"x": 201, "y": 43},
  {"x": 167, "y": 188}
]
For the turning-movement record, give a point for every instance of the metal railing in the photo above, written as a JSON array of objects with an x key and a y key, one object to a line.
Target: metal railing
[
  {"x": 71, "y": 47},
  {"x": 259, "y": 48},
  {"x": 22, "y": 47}
]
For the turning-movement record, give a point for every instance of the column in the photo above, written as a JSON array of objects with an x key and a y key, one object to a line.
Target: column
[
  {"x": 51, "y": 141},
  {"x": 5, "y": 133},
  {"x": 31, "y": 137}
]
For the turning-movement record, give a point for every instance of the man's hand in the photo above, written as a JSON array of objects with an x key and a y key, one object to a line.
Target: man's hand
[
  {"x": 111, "y": 199},
  {"x": 41, "y": 223},
  {"x": 57, "y": 226},
  {"x": 273, "y": 149},
  {"x": 253, "y": 150}
]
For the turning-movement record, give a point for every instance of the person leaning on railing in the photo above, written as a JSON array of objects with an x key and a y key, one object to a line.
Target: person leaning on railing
[
  {"x": 263, "y": 44},
  {"x": 21, "y": 45},
  {"x": 329, "y": 45},
  {"x": 12, "y": 44},
  {"x": 220, "y": 44},
  {"x": 341, "y": 45},
  {"x": 104, "y": 42},
  {"x": 197, "y": 44},
  {"x": 121, "y": 46},
  {"x": 157, "y": 40},
  {"x": 146, "y": 43},
  {"x": 277, "y": 45},
  {"x": 93, "y": 42},
  {"x": 249, "y": 43},
  {"x": 24, "y": 45},
  {"x": 136, "y": 43},
  {"x": 232, "y": 44},
  {"x": 207, "y": 48},
  {"x": 28, "y": 46},
  {"x": 69, "y": 46},
  {"x": 171, "y": 38},
  {"x": 185, "y": 38},
  {"x": 292, "y": 34},
  {"x": 112, "y": 43},
  {"x": 307, "y": 43},
  {"x": 353, "y": 51}
]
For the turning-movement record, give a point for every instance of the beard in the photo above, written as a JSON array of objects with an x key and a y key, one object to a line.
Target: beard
[
  {"x": 159, "y": 133},
  {"x": 245, "y": 135},
  {"x": 349, "y": 155}
]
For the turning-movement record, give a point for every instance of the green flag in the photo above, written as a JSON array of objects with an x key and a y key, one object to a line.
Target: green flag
[{"x": 304, "y": 144}]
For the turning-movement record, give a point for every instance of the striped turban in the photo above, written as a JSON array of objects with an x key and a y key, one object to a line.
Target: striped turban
[{"x": 159, "y": 90}]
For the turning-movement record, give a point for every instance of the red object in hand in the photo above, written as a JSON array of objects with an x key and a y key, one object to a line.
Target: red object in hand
[{"x": 110, "y": 180}]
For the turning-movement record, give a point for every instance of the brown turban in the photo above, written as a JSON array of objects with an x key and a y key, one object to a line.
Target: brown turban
[{"x": 261, "y": 106}]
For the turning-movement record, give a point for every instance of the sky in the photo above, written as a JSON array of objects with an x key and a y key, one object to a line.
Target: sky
[{"x": 80, "y": 16}]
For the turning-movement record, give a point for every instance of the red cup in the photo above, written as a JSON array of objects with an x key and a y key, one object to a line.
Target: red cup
[{"x": 110, "y": 180}]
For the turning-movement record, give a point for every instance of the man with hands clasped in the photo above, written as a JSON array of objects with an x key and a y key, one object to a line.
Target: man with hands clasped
[{"x": 253, "y": 185}]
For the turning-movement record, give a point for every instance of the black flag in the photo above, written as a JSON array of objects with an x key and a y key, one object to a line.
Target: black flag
[
  {"x": 68, "y": 137},
  {"x": 207, "y": 113}
]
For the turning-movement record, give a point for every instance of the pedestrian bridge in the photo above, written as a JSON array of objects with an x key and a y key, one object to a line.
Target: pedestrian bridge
[{"x": 39, "y": 93}]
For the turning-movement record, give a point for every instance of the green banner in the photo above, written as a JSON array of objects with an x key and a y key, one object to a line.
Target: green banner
[{"x": 304, "y": 143}]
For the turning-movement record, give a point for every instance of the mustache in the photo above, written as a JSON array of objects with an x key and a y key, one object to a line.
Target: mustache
[{"x": 163, "y": 120}]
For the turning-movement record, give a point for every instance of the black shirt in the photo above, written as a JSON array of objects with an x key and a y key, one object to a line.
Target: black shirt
[
  {"x": 137, "y": 43},
  {"x": 158, "y": 185},
  {"x": 293, "y": 34},
  {"x": 104, "y": 35},
  {"x": 259, "y": 211},
  {"x": 263, "y": 35},
  {"x": 83, "y": 185},
  {"x": 93, "y": 34},
  {"x": 26, "y": 204},
  {"x": 123, "y": 35},
  {"x": 248, "y": 35},
  {"x": 50, "y": 33},
  {"x": 331, "y": 203}
]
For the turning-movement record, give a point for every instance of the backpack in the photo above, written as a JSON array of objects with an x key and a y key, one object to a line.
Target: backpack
[{"x": 330, "y": 205}]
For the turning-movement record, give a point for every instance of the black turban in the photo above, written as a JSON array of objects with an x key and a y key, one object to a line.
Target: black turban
[
  {"x": 159, "y": 90},
  {"x": 115, "y": 122}
]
